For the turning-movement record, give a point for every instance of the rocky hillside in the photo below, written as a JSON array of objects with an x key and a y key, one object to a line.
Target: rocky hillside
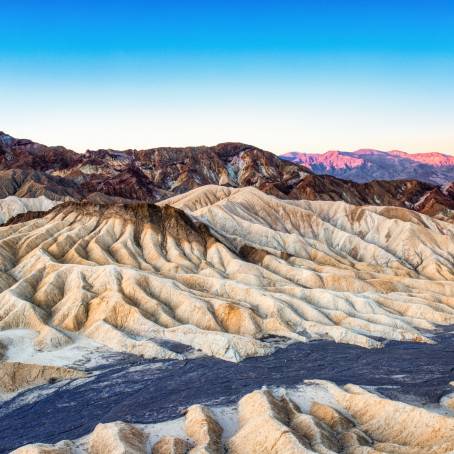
[
  {"x": 220, "y": 269},
  {"x": 28, "y": 169},
  {"x": 367, "y": 165}
]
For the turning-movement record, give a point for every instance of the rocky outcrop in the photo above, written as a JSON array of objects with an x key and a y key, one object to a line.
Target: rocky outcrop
[
  {"x": 28, "y": 169},
  {"x": 264, "y": 426},
  {"x": 204, "y": 430},
  {"x": 117, "y": 438},
  {"x": 171, "y": 445}
]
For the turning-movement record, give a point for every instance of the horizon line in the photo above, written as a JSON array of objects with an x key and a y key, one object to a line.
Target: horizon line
[{"x": 338, "y": 150}]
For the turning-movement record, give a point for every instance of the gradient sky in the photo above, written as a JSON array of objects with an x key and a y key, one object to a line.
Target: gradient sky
[{"x": 282, "y": 75}]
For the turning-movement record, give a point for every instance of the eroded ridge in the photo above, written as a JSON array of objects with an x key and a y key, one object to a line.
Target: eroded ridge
[
  {"x": 219, "y": 269},
  {"x": 319, "y": 417}
]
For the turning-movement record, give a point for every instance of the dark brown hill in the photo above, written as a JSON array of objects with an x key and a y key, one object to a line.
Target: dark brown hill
[{"x": 29, "y": 169}]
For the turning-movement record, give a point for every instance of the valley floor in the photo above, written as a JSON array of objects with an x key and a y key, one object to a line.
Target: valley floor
[{"x": 131, "y": 389}]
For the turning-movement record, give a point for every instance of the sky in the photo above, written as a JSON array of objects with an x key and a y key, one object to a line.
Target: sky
[{"x": 282, "y": 75}]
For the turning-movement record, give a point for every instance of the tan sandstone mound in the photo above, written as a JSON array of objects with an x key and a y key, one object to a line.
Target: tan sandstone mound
[
  {"x": 117, "y": 438},
  {"x": 318, "y": 417},
  {"x": 264, "y": 426},
  {"x": 171, "y": 445},
  {"x": 16, "y": 376},
  {"x": 219, "y": 269},
  {"x": 206, "y": 432}
]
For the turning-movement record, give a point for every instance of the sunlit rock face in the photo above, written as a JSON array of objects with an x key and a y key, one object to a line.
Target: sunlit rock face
[
  {"x": 221, "y": 269},
  {"x": 318, "y": 417}
]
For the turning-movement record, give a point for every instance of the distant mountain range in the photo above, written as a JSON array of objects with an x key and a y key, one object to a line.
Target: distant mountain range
[
  {"x": 29, "y": 169},
  {"x": 367, "y": 165}
]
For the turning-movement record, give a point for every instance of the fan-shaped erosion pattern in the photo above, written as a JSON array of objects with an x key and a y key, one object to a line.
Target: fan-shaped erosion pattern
[{"x": 220, "y": 269}]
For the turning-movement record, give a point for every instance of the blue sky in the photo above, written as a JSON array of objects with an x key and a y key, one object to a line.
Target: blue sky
[{"x": 287, "y": 75}]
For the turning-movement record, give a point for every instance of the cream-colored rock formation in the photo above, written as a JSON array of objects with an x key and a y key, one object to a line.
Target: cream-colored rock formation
[
  {"x": 202, "y": 427},
  {"x": 15, "y": 376},
  {"x": 12, "y": 206},
  {"x": 238, "y": 266},
  {"x": 171, "y": 445},
  {"x": 117, "y": 438},
  {"x": 319, "y": 417}
]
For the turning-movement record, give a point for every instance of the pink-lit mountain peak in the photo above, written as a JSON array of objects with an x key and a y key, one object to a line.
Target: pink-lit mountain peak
[
  {"x": 435, "y": 159},
  {"x": 344, "y": 157},
  {"x": 334, "y": 158},
  {"x": 368, "y": 164}
]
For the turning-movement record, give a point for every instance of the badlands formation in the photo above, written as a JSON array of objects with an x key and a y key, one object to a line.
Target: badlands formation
[
  {"x": 221, "y": 270},
  {"x": 225, "y": 272},
  {"x": 318, "y": 417}
]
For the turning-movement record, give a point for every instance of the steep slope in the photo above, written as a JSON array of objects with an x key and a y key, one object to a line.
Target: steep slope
[
  {"x": 317, "y": 418},
  {"x": 367, "y": 165},
  {"x": 12, "y": 206},
  {"x": 237, "y": 267},
  {"x": 28, "y": 169}
]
